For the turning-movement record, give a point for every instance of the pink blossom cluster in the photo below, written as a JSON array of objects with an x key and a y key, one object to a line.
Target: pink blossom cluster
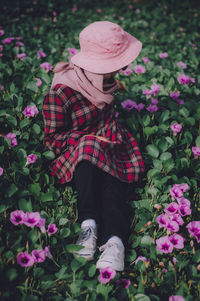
[
  {"x": 32, "y": 219},
  {"x": 46, "y": 66},
  {"x": 175, "y": 95},
  {"x": 185, "y": 79},
  {"x": 21, "y": 56},
  {"x": 155, "y": 88},
  {"x": 181, "y": 64},
  {"x": 145, "y": 59},
  {"x": 37, "y": 256},
  {"x": 31, "y": 159},
  {"x": 172, "y": 219},
  {"x": 1, "y": 171},
  {"x": 196, "y": 151},
  {"x": 194, "y": 229},
  {"x": 41, "y": 54},
  {"x": 129, "y": 104},
  {"x": 163, "y": 55},
  {"x": 176, "y": 128},
  {"x": 12, "y": 138},
  {"x": 139, "y": 69},
  {"x": 72, "y": 52},
  {"x": 30, "y": 111}
]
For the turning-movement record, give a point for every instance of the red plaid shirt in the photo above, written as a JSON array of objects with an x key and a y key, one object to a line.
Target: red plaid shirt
[{"x": 68, "y": 117}]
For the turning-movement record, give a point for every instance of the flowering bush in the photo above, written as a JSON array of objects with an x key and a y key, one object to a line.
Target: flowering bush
[{"x": 160, "y": 107}]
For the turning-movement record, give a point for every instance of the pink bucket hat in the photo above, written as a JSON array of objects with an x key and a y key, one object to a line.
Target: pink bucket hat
[{"x": 105, "y": 47}]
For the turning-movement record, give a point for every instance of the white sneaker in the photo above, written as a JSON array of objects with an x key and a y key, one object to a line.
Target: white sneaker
[
  {"x": 87, "y": 239},
  {"x": 113, "y": 255}
]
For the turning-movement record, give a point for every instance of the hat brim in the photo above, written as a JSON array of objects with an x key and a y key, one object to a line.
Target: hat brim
[{"x": 102, "y": 66}]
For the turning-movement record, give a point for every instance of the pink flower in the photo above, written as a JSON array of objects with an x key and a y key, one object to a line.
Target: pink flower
[
  {"x": 177, "y": 218},
  {"x": 25, "y": 259},
  {"x": 106, "y": 275},
  {"x": 46, "y": 66},
  {"x": 17, "y": 217},
  {"x": 128, "y": 104},
  {"x": 147, "y": 92},
  {"x": 181, "y": 64},
  {"x": 72, "y": 51},
  {"x": 1, "y": 47},
  {"x": 183, "y": 201},
  {"x": 52, "y": 229},
  {"x": 1, "y": 32},
  {"x": 19, "y": 44},
  {"x": 176, "y": 298},
  {"x": 142, "y": 258},
  {"x": 1, "y": 171},
  {"x": 183, "y": 187},
  {"x": 128, "y": 71},
  {"x": 21, "y": 56},
  {"x": 194, "y": 229},
  {"x": 41, "y": 54},
  {"x": 163, "y": 55},
  {"x": 163, "y": 220},
  {"x": 176, "y": 192},
  {"x": 31, "y": 159},
  {"x": 180, "y": 101},
  {"x": 7, "y": 40},
  {"x": 12, "y": 138},
  {"x": 137, "y": 10},
  {"x": 152, "y": 108},
  {"x": 155, "y": 88},
  {"x": 99, "y": 10},
  {"x": 184, "y": 210},
  {"x": 154, "y": 101},
  {"x": 164, "y": 244},
  {"x": 172, "y": 208},
  {"x": 185, "y": 79},
  {"x": 74, "y": 9},
  {"x": 47, "y": 252},
  {"x": 116, "y": 114},
  {"x": 39, "y": 82},
  {"x": 174, "y": 94},
  {"x": 54, "y": 19},
  {"x": 41, "y": 225},
  {"x": 177, "y": 241},
  {"x": 196, "y": 151},
  {"x": 30, "y": 111},
  {"x": 172, "y": 226},
  {"x": 139, "y": 107},
  {"x": 54, "y": 13},
  {"x": 176, "y": 128},
  {"x": 123, "y": 282},
  {"x": 139, "y": 69},
  {"x": 39, "y": 255},
  {"x": 145, "y": 59},
  {"x": 31, "y": 219}
]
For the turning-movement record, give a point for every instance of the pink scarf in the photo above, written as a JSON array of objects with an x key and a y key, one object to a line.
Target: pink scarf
[{"x": 90, "y": 85}]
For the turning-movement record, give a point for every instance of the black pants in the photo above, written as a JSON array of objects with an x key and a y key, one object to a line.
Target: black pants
[{"x": 104, "y": 198}]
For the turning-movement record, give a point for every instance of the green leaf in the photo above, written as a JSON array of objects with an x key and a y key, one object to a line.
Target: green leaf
[
  {"x": 63, "y": 221},
  {"x": 184, "y": 112},
  {"x": 49, "y": 155},
  {"x": 11, "y": 190},
  {"x": 77, "y": 263},
  {"x": 22, "y": 156},
  {"x": 71, "y": 248},
  {"x": 62, "y": 273},
  {"x": 197, "y": 141},
  {"x": 141, "y": 297},
  {"x": 47, "y": 197},
  {"x": 188, "y": 137},
  {"x": 33, "y": 235},
  {"x": 164, "y": 116},
  {"x": 147, "y": 240},
  {"x": 32, "y": 86},
  {"x": 196, "y": 257},
  {"x": 25, "y": 205},
  {"x": 11, "y": 274},
  {"x": 35, "y": 189},
  {"x": 65, "y": 232},
  {"x": 24, "y": 123},
  {"x": 92, "y": 270},
  {"x": 165, "y": 156},
  {"x": 36, "y": 128},
  {"x": 146, "y": 120},
  {"x": 152, "y": 150}
]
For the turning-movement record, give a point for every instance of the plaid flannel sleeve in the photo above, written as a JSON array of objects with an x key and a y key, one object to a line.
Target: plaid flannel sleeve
[{"x": 56, "y": 125}]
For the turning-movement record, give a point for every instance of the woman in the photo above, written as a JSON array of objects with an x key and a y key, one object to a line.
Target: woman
[{"x": 93, "y": 149}]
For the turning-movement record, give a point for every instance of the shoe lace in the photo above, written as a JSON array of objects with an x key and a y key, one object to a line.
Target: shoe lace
[
  {"x": 86, "y": 235},
  {"x": 110, "y": 249}
]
